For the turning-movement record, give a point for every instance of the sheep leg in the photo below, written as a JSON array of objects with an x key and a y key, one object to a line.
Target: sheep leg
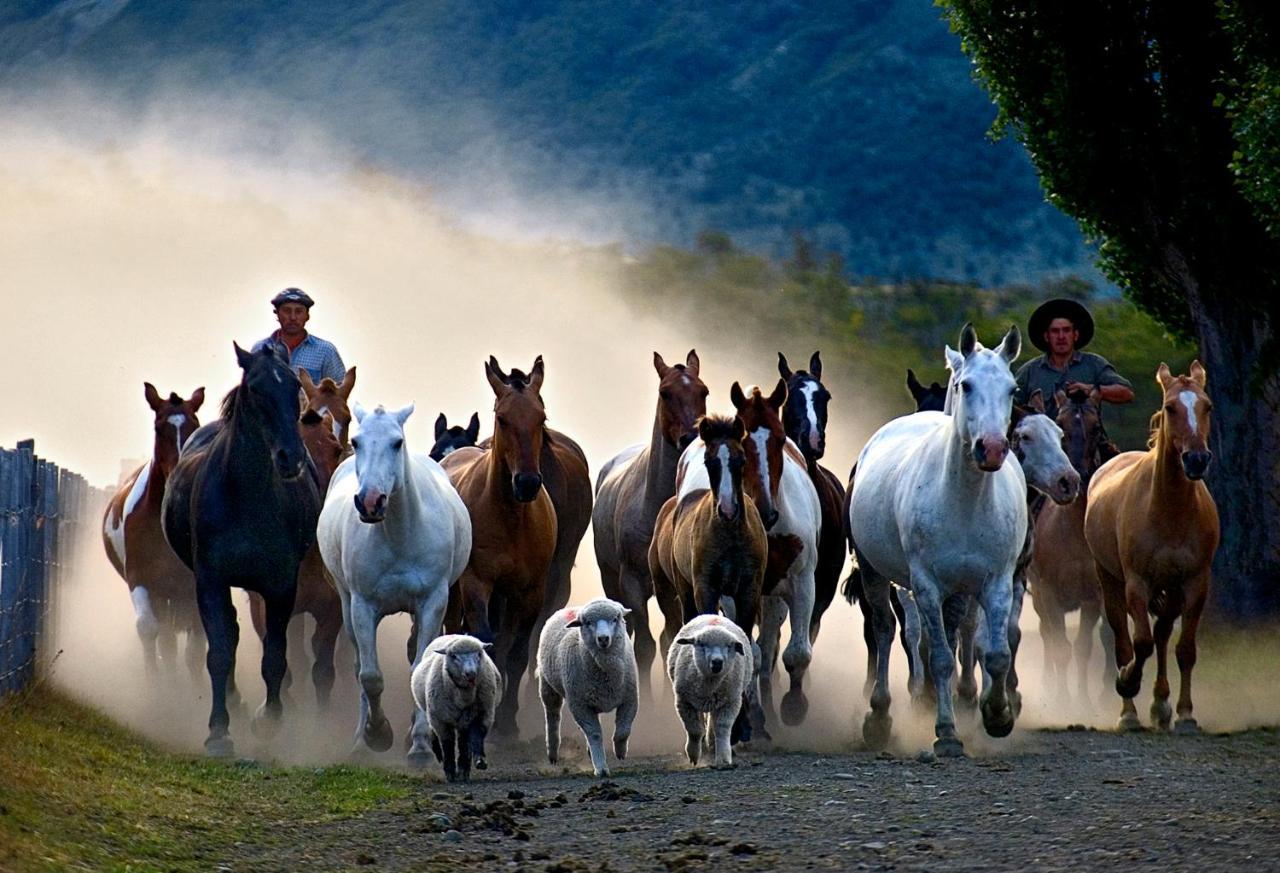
[
  {"x": 694, "y": 727},
  {"x": 449, "y": 743},
  {"x": 723, "y": 721},
  {"x": 427, "y": 619},
  {"x": 476, "y": 739},
  {"x": 551, "y": 704},
  {"x": 624, "y": 718},
  {"x": 589, "y": 723},
  {"x": 464, "y": 753}
]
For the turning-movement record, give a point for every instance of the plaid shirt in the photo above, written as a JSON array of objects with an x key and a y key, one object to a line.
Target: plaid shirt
[{"x": 318, "y": 357}]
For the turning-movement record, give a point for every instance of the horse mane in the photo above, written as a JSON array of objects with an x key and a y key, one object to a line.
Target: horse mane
[
  {"x": 1157, "y": 421},
  {"x": 518, "y": 380},
  {"x": 229, "y": 402},
  {"x": 174, "y": 399},
  {"x": 718, "y": 427}
]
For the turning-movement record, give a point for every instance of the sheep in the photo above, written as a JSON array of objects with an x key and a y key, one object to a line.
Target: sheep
[
  {"x": 594, "y": 669},
  {"x": 458, "y": 686},
  {"x": 712, "y": 674}
]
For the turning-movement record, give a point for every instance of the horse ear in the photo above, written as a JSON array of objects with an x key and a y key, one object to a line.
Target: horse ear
[
  {"x": 402, "y": 415},
  {"x": 1060, "y": 398},
  {"x": 691, "y": 362},
  {"x": 348, "y": 383},
  {"x": 779, "y": 396},
  {"x": 739, "y": 429},
  {"x": 358, "y": 411},
  {"x": 243, "y": 358},
  {"x": 153, "y": 396},
  {"x": 536, "y": 374},
  {"x": 735, "y": 394},
  {"x": 496, "y": 380},
  {"x": 473, "y": 427},
  {"x": 784, "y": 370},
  {"x": 493, "y": 362},
  {"x": 1036, "y": 401},
  {"x": 815, "y": 365},
  {"x": 1198, "y": 375},
  {"x": 913, "y": 385},
  {"x": 704, "y": 428},
  {"x": 1163, "y": 376},
  {"x": 968, "y": 339},
  {"x": 442, "y": 424},
  {"x": 1011, "y": 345},
  {"x": 660, "y": 365},
  {"x": 954, "y": 359},
  {"x": 307, "y": 385}
]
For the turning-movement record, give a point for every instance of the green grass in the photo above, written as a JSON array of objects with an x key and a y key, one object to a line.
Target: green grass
[{"x": 79, "y": 792}]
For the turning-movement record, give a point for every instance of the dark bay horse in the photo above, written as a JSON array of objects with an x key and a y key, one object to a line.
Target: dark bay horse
[
  {"x": 449, "y": 438},
  {"x": 241, "y": 510},
  {"x": 501, "y": 594},
  {"x": 1152, "y": 527},
  {"x": 805, "y": 418},
  {"x": 163, "y": 591},
  {"x": 631, "y": 489}
]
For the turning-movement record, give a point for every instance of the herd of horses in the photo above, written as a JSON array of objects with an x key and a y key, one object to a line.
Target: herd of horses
[{"x": 950, "y": 512}]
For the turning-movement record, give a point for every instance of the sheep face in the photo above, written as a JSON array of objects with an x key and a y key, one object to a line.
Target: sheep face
[
  {"x": 602, "y": 623},
  {"x": 712, "y": 650},
  {"x": 463, "y": 668}
]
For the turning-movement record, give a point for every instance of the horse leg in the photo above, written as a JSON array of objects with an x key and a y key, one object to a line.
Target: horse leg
[
  {"x": 428, "y": 617},
  {"x": 374, "y": 729},
  {"x": 147, "y": 626},
  {"x": 1129, "y": 682},
  {"x": 1014, "y": 633},
  {"x": 877, "y": 724},
  {"x": 868, "y": 637},
  {"x": 772, "y": 614},
  {"x": 214, "y": 600},
  {"x": 967, "y": 686},
  {"x": 1161, "y": 711},
  {"x": 323, "y": 642},
  {"x": 1186, "y": 652},
  {"x": 668, "y": 597},
  {"x": 997, "y": 711},
  {"x": 636, "y": 588},
  {"x": 1053, "y": 633},
  {"x": 799, "y": 652},
  {"x": 1090, "y": 612},
  {"x": 552, "y": 703},
  {"x": 196, "y": 649},
  {"x": 517, "y": 624},
  {"x": 946, "y": 744},
  {"x": 279, "y": 609},
  {"x": 910, "y": 636}
]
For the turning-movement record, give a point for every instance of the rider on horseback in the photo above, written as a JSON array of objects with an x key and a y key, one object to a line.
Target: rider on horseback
[
  {"x": 1060, "y": 328},
  {"x": 302, "y": 350}
]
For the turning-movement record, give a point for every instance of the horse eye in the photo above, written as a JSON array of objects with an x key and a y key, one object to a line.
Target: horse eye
[
  {"x": 398, "y": 445},
  {"x": 966, "y": 387},
  {"x": 355, "y": 443}
]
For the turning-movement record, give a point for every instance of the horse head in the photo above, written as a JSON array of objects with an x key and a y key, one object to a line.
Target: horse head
[
  {"x": 983, "y": 400},
  {"x": 175, "y": 422},
  {"x": 1036, "y": 441},
  {"x": 380, "y": 459},
  {"x": 725, "y": 459},
  {"x": 518, "y": 429},
  {"x": 1184, "y": 418},
  {"x": 804, "y": 417},
  {"x": 320, "y": 437},
  {"x": 765, "y": 445},
  {"x": 1084, "y": 438},
  {"x": 682, "y": 399},
  {"x": 268, "y": 396},
  {"x": 331, "y": 397},
  {"x": 450, "y": 439},
  {"x": 931, "y": 399}
]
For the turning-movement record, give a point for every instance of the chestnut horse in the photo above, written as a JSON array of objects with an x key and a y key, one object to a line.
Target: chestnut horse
[
  {"x": 805, "y": 419},
  {"x": 163, "y": 591},
  {"x": 1062, "y": 575},
  {"x": 502, "y": 592},
  {"x": 1152, "y": 527},
  {"x": 631, "y": 489},
  {"x": 332, "y": 397}
]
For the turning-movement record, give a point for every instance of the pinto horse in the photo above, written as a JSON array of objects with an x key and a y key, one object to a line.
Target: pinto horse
[
  {"x": 1062, "y": 573},
  {"x": 449, "y": 438},
  {"x": 631, "y": 490},
  {"x": 163, "y": 591},
  {"x": 805, "y": 419},
  {"x": 501, "y": 593},
  {"x": 1152, "y": 527},
  {"x": 936, "y": 507},
  {"x": 240, "y": 510},
  {"x": 332, "y": 398}
]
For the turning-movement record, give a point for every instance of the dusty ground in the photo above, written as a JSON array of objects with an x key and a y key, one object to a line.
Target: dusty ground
[{"x": 1061, "y": 799}]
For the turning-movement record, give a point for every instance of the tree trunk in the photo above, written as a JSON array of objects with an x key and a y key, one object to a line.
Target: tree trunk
[{"x": 1244, "y": 477}]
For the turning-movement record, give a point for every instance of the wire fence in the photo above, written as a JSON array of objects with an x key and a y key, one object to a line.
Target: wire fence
[{"x": 44, "y": 513}]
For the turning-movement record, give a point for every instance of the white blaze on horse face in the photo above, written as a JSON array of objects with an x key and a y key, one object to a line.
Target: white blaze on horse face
[
  {"x": 177, "y": 421},
  {"x": 760, "y": 436},
  {"x": 725, "y": 493},
  {"x": 1188, "y": 399},
  {"x": 809, "y": 389}
]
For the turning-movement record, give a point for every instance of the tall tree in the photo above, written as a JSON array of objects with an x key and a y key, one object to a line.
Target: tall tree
[{"x": 1155, "y": 125}]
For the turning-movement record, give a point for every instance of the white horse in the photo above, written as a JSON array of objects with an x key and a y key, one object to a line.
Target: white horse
[
  {"x": 798, "y": 518},
  {"x": 936, "y": 507},
  {"x": 394, "y": 536}
]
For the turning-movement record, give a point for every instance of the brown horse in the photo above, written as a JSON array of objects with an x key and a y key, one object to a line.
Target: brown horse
[
  {"x": 501, "y": 594},
  {"x": 1061, "y": 575},
  {"x": 316, "y": 595},
  {"x": 631, "y": 489},
  {"x": 161, "y": 587},
  {"x": 1153, "y": 528},
  {"x": 331, "y": 397}
]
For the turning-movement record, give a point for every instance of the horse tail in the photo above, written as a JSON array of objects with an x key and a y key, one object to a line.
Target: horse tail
[{"x": 852, "y": 588}]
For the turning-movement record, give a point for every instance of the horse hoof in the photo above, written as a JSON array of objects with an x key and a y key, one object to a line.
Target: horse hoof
[
  {"x": 482, "y": 764},
  {"x": 1129, "y": 723},
  {"x": 1161, "y": 714},
  {"x": 1186, "y": 727},
  {"x": 795, "y": 706},
  {"x": 603, "y": 773},
  {"x": 220, "y": 747},
  {"x": 1128, "y": 689},
  {"x": 998, "y": 723},
  {"x": 418, "y": 760},
  {"x": 948, "y": 747},
  {"x": 876, "y": 730},
  {"x": 379, "y": 737},
  {"x": 1016, "y": 699},
  {"x": 265, "y": 723}
]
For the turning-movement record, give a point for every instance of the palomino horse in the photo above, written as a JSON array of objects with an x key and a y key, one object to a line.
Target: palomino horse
[
  {"x": 316, "y": 595},
  {"x": 792, "y": 516},
  {"x": 1153, "y": 528},
  {"x": 163, "y": 591},
  {"x": 1062, "y": 574},
  {"x": 241, "y": 510},
  {"x": 936, "y": 507},
  {"x": 630, "y": 491},
  {"x": 501, "y": 593},
  {"x": 449, "y": 438},
  {"x": 805, "y": 419},
  {"x": 332, "y": 397},
  {"x": 394, "y": 536}
]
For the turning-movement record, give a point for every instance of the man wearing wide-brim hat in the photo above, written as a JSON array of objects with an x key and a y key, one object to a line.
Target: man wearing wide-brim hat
[
  {"x": 1061, "y": 328},
  {"x": 303, "y": 350}
]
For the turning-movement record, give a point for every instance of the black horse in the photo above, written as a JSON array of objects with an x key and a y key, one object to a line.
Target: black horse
[
  {"x": 449, "y": 438},
  {"x": 240, "y": 509}
]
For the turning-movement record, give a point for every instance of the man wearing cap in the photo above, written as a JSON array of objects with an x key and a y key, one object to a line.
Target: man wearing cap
[
  {"x": 318, "y": 357},
  {"x": 1060, "y": 328}
]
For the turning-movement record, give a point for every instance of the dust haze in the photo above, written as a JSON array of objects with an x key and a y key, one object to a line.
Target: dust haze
[{"x": 137, "y": 251}]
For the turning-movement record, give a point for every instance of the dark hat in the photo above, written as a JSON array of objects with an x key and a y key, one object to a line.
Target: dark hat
[
  {"x": 1060, "y": 307},
  {"x": 293, "y": 295}
]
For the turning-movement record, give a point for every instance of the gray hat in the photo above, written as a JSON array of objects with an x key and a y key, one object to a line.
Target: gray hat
[{"x": 292, "y": 295}]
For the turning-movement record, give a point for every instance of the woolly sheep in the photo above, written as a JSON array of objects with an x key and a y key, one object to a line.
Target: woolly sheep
[
  {"x": 458, "y": 686},
  {"x": 585, "y": 657},
  {"x": 712, "y": 665}
]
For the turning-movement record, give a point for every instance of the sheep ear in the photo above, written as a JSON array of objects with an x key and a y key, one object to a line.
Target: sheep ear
[
  {"x": 625, "y": 612},
  {"x": 577, "y": 622},
  {"x": 684, "y": 641},
  {"x": 488, "y": 647},
  {"x": 737, "y": 647}
]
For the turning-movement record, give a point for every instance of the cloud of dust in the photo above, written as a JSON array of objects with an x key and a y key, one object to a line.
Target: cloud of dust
[{"x": 139, "y": 254}]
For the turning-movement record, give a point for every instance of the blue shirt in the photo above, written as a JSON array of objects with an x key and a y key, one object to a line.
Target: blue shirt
[{"x": 318, "y": 357}]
